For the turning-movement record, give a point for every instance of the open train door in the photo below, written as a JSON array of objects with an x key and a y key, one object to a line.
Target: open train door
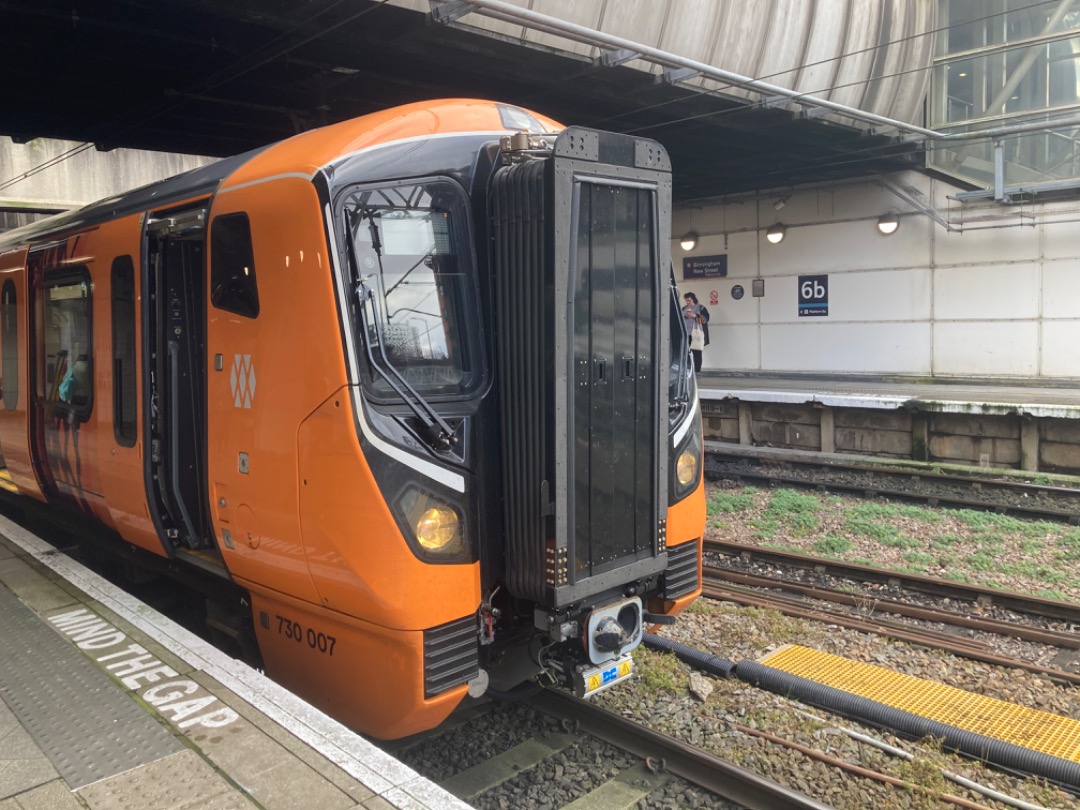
[
  {"x": 582, "y": 338},
  {"x": 174, "y": 353}
]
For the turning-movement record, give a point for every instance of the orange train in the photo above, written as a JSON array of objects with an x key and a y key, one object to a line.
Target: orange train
[{"x": 411, "y": 387}]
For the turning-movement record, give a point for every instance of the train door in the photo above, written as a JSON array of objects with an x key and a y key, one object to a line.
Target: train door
[
  {"x": 18, "y": 473},
  {"x": 174, "y": 354},
  {"x": 64, "y": 437}
]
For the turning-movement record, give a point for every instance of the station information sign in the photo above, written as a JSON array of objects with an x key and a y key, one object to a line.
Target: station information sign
[
  {"x": 704, "y": 266},
  {"x": 813, "y": 295}
]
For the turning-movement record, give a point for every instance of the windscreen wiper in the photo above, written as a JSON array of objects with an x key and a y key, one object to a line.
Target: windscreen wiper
[{"x": 438, "y": 432}]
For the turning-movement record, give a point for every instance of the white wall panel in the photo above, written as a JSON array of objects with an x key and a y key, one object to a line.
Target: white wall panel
[
  {"x": 993, "y": 291},
  {"x": 923, "y": 301},
  {"x": 889, "y": 295},
  {"x": 1061, "y": 348},
  {"x": 1059, "y": 241},
  {"x": 731, "y": 347},
  {"x": 889, "y": 348},
  {"x": 843, "y": 246},
  {"x": 986, "y": 348},
  {"x": 1061, "y": 288},
  {"x": 986, "y": 246}
]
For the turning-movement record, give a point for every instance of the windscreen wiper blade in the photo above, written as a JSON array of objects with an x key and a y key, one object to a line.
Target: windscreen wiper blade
[{"x": 438, "y": 431}]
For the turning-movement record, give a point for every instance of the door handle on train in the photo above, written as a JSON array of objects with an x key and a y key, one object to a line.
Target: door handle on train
[{"x": 600, "y": 371}]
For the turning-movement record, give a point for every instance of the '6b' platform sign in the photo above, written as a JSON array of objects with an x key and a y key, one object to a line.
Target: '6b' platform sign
[{"x": 813, "y": 295}]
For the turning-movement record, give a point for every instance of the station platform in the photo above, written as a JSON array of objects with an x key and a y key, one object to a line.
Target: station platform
[
  {"x": 1033, "y": 398},
  {"x": 1032, "y": 426},
  {"x": 108, "y": 704}
]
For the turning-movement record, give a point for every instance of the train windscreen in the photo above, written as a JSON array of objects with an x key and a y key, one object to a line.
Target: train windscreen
[{"x": 414, "y": 278}]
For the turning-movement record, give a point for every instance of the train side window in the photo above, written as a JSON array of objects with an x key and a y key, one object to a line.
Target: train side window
[
  {"x": 232, "y": 266},
  {"x": 9, "y": 334},
  {"x": 123, "y": 350},
  {"x": 68, "y": 349}
]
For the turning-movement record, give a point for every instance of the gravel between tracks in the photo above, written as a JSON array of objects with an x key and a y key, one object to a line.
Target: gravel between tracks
[{"x": 660, "y": 695}]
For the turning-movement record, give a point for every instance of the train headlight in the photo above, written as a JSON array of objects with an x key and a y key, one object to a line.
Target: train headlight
[
  {"x": 438, "y": 529},
  {"x": 686, "y": 467},
  {"x": 687, "y": 464},
  {"x": 435, "y": 527}
]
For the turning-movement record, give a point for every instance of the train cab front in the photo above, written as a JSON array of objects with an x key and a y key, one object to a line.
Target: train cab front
[
  {"x": 600, "y": 432},
  {"x": 509, "y": 488}
]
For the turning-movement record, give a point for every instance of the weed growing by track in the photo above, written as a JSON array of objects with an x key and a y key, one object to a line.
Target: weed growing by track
[{"x": 1036, "y": 557}]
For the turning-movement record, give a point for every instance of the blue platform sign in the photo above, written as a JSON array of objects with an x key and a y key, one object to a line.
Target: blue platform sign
[
  {"x": 813, "y": 295},
  {"x": 704, "y": 266}
]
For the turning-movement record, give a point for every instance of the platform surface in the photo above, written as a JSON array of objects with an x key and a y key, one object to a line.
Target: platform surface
[
  {"x": 1030, "y": 398},
  {"x": 104, "y": 704}
]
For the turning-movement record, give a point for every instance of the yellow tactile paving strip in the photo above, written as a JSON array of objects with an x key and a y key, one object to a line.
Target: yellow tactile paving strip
[{"x": 1030, "y": 728}]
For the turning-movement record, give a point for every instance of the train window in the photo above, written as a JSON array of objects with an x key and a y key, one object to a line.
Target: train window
[
  {"x": 9, "y": 334},
  {"x": 68, "y": 351},
  {"x": 414, "y": 288},
  {"x": 123, "y": 350},
  {"x": 232, "y": 266}
]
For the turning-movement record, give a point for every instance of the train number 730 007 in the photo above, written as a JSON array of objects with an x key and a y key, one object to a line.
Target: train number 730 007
[{"x": 314, "y": 639}]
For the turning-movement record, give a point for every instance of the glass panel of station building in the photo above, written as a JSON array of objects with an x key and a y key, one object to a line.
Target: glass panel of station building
[{"x": 1001, "y": 62}]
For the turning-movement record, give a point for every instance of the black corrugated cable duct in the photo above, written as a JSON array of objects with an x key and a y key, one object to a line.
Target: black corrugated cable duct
[
  {"x": 1006, "y": 755},
  {"x": 720, "y": 667}
]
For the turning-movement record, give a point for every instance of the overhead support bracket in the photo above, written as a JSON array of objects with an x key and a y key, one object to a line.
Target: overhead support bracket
[
  {"x": 770, "y": 102},
  {"x": 917, "y": 200},
  {"x": 450, "y": 10},
  {"x": 676, "y": 75},
  {"x": 622, "y": 55}
]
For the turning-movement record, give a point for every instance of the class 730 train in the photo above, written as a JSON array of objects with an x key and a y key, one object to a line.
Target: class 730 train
[{"x": 411, "y": 389}]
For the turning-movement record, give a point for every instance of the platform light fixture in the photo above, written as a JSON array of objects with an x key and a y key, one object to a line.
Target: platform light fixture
[
  {"x": 776, "y": 233},
  {"x": 888, "y": 223},
  {"x": 688, "y": 241}
]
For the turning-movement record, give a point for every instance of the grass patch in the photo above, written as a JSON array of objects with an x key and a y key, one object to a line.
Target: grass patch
[
  {"x": 982, "y": 561},
  {"x": 831, "y": 544},
  {"x": 658, "y": 672},
  {"x": 795, "y": 511},
  {"x": 943, "y": 541},
  {"x": 920, "y": 558},
  {"x": 729, "y": 503}
]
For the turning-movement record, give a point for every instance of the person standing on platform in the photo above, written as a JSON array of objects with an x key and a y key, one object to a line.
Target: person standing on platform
[{"x": 696, "y": 321}]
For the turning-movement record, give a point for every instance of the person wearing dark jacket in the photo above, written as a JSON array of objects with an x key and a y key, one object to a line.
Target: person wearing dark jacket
[{"x": 695, "y": 315}]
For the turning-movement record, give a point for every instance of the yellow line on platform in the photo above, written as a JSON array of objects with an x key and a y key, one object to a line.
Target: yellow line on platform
[{"x": 998, "y": 719}]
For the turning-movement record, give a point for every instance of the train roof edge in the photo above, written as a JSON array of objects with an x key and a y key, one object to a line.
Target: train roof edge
[{"x": 305, "y": 152}]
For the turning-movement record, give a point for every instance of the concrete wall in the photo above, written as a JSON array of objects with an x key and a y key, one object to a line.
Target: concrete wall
[
  {"x": 52, "y": 175},
  {"x": 996, "y": 294}
]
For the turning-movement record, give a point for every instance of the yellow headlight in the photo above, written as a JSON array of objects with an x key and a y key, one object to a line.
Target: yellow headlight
[
  {"x": 686, "y": 467},
  {"x": 438, "y": 528}
]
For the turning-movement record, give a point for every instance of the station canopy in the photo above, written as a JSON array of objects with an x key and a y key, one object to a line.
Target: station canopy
[{"x": 218, "y": 78}]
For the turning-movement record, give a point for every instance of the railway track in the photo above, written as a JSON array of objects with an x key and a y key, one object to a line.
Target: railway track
[
  {"x": 556, "y": 751},
  {"x": 960, "y": 633},
  {"x": 774, "y": 467},
  {"x": 947, "y": 589}
]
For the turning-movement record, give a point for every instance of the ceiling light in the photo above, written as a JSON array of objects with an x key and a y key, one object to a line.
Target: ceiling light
[
  {"x": 888, "y": 223},
  {"x": 776, "y": 233},
  {"x": 688, "y": 241}
]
